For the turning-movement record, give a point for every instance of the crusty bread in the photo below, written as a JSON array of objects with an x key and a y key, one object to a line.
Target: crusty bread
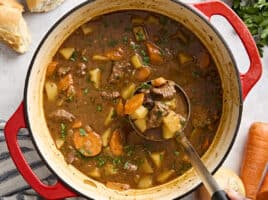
[
  {"x": 42, "y": 5},
  {"x": 13, "y": 28},
  {"x": 227, "y": 179}
]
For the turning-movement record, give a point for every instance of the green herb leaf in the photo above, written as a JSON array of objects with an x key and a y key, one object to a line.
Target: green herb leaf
[
  {"x": 99, "y": 108},
  {"x": 84, "y": 59},
  {"x": 82, "y": 132},
  {"x": 85, "y": 91},
  {"x": 63, "y": 130},
  {"x": 74, "y": 56},
  {"x": 145, "y": 86},
  {"x": 255, "y": 15}
]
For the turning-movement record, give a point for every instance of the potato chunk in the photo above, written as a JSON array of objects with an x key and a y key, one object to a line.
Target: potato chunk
[
  {"x": 136, "y": 61},
  {"x": 157, "y": 158},
  {"x": 163, "y": 176},
  {"x": 171, "y": 124},
  {"x": 184, "y": 58},
  {"x": 128, "y": 91},
  {"x": 51, "y": 90},
  {"x": 110, "y": 116},
  {"x": 146, "y": 167},
  {"x": 140, "y": 113},
  {"x": 95, "y": 77},
  {"x": 145, "y": 182},
  {"x": 67, "y": 52},
  {"x": 106, "y": 137},
  {"x": 141, "y": 124},
  {"x": 95, "y": 173}
]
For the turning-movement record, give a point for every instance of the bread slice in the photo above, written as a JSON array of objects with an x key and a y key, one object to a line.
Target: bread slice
[
  {"x": 13, "y": 28},
  {"x": 42, "y": 5}
]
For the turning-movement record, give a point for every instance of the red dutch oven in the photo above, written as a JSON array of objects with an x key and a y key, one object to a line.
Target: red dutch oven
[{"x": 196, "y": 17}]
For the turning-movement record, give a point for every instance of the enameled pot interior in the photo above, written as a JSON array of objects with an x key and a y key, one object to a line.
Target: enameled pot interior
[{"x": 178, "y": 11}]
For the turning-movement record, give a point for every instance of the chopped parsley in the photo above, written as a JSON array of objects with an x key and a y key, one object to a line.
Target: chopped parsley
[
  {"x": 99, "y": 108},
  {"x": 100, "y": 161},
  {"x": 85, "y": 91},
  {"x": 74, "y": 56},
  {"x": 159, "y": 114},
  {"x": 84, "y": 59},
  {"x": 63, "y": 130},
  {"x": 117, "y": 161},
  {"x": 176, "y": 153},
  {"x": 145, "y": 86},
  {"x": 82, "y": 132}
]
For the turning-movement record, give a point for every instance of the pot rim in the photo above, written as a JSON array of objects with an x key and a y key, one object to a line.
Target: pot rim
[{"x": 185, "y": 5}]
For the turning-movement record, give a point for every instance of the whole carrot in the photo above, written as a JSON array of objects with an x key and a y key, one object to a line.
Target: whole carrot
[
  {"x": 263, "y": 192},
  {"x": 255, "y": 158}
]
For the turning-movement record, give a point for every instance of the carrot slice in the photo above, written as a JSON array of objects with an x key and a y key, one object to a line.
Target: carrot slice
[
  {"x": 65, "y": 82},
  {"x": 255, "y": 158},
  {"x": 117, "y": 186},
  {"x": 120, "y": 108},
  {"x": 133, "y": 103},
  {"x": 116, "y": 145},
  {"x": 88, "y": 143},
  {"x": 51, "y": 67},
  {"x": 116, "y": 54},
  {"x": 159, "y": 82},
  {"x": 154, "y": 53},
  {"x": 142, "y": 73},
  {"x": 77, "y": 124}
]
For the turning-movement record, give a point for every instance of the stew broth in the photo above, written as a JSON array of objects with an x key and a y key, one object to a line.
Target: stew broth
[{"x": 94, "y": 74}]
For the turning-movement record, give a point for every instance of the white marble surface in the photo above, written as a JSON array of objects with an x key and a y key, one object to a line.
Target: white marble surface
[{"x": 13, "y": 69}]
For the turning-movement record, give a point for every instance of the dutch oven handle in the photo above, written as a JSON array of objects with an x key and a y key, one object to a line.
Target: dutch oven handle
[
  {"x": 254, "y": 72},
  {"x": 14, "y": 124}
]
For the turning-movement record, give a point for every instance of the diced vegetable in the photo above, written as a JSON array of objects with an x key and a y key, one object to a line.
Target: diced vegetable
[
  {"x": 137, "y": 20},
  {"x": 88, "y": 144},
  {"x": 157, "y": 158},
  {"x": 139, "y": 33},
  {"x": 97, "y": 57},
  {"x": 51, "y": 90},
  {"x": 120, "y": 108},
  {"x": 203, "y": 60},
  {"x": 152, "y": 20},
  {"x": 106, "y": 137},
  {"x": 154, "y": 54},
  {"x": 109, "y": 169},
  {"x": 167, "y": 133},
  {"x": 136, "y": 61},
  {"x": 128, "y": 91},
  {"x": 163, "y": 176},
  {"x": 51, "y": 68},
  {"x": 109, "y": 117},
  {"x": 65, "y": 82},
  {"x": 141, "y": 124},
  {"x": 142, "y": 74},
  {"x": 95, "y": 77},
  {"x": 67, "y": 52},
  {"x": 172, "y": 122},
  {"x": 145, "y": 182},
  {"x": 146, "y": 167},
  {"x": 59, "y": 142},
  {"x": 140, "y": 113},
  {"x": 134, "y": 103},
  {"x": 172, "y": 104},
  {"x": 77, "y": 124},
  {"x": 159, "y": 82},
  {"x": 115, "y": 54},
  {"x": 86, "y": 29},
  {"x": 116, "y": 145},
  {"x": 95, "y": 173},
  {"x": 184, "y": 58},
  {"x": 117, "y": 186}
]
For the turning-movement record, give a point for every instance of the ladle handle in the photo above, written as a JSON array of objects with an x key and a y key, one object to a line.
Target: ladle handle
[{"x": 211, "y": 185}]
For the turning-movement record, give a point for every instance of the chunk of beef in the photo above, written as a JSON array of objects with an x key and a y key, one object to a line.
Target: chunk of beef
[
  {"x": 148, "y": 102},
  {"x": 156, "y": 115},
  {"x": 62, "y": 115},
  {"x": 166, "y": 91},
  {"x": 81, "y": 69},
  {"x": 118, "y": 71},
  {"x": 110, "y": 95}
]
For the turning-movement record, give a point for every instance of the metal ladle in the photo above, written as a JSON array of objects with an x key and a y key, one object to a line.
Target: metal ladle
[{"x": 211, "y": 185}]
